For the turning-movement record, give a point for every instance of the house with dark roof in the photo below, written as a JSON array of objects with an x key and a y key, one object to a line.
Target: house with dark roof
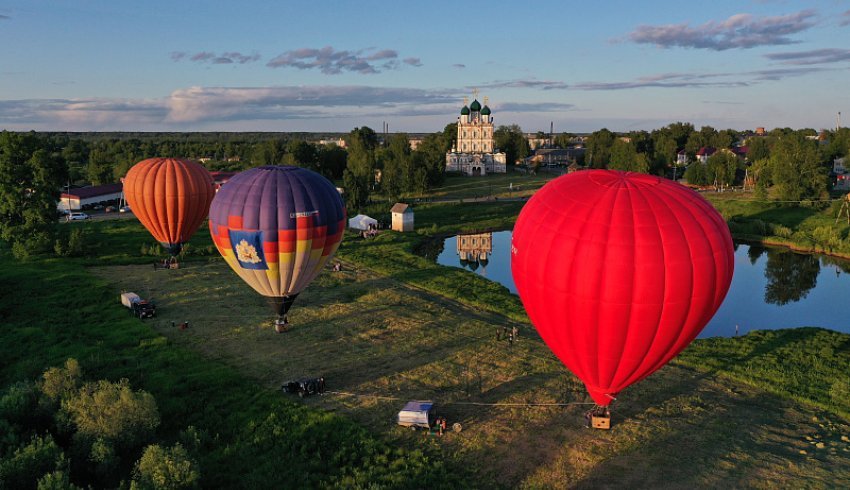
[
  {"x": 682, "y": 157},
  {"x": 87, "y": 197},
  {"x": 704, "y": 153}
]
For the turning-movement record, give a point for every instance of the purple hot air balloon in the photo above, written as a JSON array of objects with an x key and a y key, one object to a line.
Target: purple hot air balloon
[{"x": 277, "y": 226}]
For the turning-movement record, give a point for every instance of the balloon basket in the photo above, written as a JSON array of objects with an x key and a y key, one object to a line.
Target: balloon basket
[
  {"x": 600, "y": 422},
  {"x": 281, "y": 326}
]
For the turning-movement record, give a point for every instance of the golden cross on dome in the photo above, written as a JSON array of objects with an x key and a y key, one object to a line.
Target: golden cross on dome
[
  {"x": 475, "y": 93},
  {"x": 486, "y": 100},
  {"x": 465, "y": 100}
]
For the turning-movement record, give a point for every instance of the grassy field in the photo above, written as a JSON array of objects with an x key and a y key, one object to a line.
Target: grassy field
[
  {"x": 250, "y": 436},
  {"x": 381, "y": 341},
  {"x": 512, "y": 184},
  {"x": 770, "y": 409}
]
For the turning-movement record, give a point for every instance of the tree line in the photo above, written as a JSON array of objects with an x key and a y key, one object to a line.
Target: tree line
[{"x": 783, "y": 164}]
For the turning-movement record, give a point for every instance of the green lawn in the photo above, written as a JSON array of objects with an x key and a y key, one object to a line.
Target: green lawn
[
  {"x": 766, "y": 410},
  {"x": 252, "y": 437}
]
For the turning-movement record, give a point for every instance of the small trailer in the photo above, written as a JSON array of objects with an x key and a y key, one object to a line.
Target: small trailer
[
  {"x": 137, "y": 306},
  {"x": 416, "y": 414}
]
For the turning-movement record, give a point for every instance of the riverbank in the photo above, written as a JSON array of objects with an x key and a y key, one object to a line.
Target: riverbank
[{"x": 811, "y": 228}]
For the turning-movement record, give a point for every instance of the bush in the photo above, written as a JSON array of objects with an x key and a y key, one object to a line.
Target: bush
[
  {"x": 782, "y": 231},
  {"x": 27, "y": 245},
  {"x": 59, "y": 383},
  {"x": 113, "y": 412},
  {"x": 839, "y": 392},
  {"x": 19, "y": 403},
  {"x": 74, "y": 245},
  {"x": 29, "y": 463},
  {"x": 165, "y": 468},
  {"x": 56, "y": 480}
]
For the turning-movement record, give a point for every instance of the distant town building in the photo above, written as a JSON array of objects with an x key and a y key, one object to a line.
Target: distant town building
[
  {"x": 682, "y": 157},
  {"x": 402, "y": 216},
  {"x": 86, "y": 197},
  {"x": 414, "y": 143},
  {"x": 221, "y": 178},
  {"x": 474, "y": 153},
  {"x": 842, "y": 178},
  {"x": 333, "y": 142},
  {"x": 760, "y": 131},
  {"x": 534, "y": 142},
  {"x": 554, "y": 156}
]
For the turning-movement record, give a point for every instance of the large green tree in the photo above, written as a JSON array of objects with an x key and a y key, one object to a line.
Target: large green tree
[
  {"x": 624, "y": 156},
  {"x": 359, "y": 174},
  {"x": 599, "y": 148},
  {"x": 31, "y": 177},
  {"x": 331, "y": 161},
  {"x": 795, "y": 169},
  {"x": 270, "y": 152},
  {"x": 396, "y": 175},
  {"x": 721, "y": 168},
  {"x": 512, "y": 141},
  {"x": 302, "y": 154},
  {"x": 758, "y": 148}
]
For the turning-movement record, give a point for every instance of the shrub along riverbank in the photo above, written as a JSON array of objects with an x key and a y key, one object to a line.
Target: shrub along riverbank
[{"x": 808, "y": 227}]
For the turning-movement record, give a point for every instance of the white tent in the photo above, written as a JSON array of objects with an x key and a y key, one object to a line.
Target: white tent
[{"x": 361, "y": 222}]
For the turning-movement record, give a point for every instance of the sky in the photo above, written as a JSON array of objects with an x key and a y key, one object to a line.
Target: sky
[{"x": 120, "y": 65}]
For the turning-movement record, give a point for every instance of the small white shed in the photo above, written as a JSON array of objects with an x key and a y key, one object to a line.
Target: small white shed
[
  {"x": 402, "y": 217},
  {"x": 361, "y": 222}
]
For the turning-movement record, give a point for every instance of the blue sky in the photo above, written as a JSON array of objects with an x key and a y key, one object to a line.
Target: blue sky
[{"x": 332, "y": 66}]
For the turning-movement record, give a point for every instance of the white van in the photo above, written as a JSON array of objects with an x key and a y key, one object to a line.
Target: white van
[{"x": 75, "y": 215}]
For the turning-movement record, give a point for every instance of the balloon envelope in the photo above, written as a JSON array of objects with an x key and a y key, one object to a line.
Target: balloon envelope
[
  {"x": 171, "y": 197},
  {"x": 619, "y": 272},
  {"x": 276, "y": 227}
]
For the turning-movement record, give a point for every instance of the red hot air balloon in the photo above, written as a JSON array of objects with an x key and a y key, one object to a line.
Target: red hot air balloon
[
  {"x": 171, "y": 198},
  {"x": 277, "y": 227},
  {"x": 619, "y": 272}
]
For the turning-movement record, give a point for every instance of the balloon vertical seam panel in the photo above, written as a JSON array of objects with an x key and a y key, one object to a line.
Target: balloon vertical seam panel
[
  {"x": 273, "y": 202},
  {"x": 567, "y": 340},
  {"x": 169, "y": 197}
]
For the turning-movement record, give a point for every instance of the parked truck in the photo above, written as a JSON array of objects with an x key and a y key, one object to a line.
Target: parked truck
[{"x": 137, "y": 306}]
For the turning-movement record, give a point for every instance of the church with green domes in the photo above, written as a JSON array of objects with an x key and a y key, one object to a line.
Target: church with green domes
[{"x": 474, "y": 152}]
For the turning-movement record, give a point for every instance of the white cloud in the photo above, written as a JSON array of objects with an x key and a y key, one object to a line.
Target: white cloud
[
  {"x": 738, "y": 31},
  {"x": 333, "y": 62}
]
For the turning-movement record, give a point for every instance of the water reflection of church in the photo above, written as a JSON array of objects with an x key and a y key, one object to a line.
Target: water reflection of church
[{"x": 474, "y": 250}]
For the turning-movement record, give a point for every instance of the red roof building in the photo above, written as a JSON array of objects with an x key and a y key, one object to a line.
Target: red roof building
[{"x": 77, "y": 199}]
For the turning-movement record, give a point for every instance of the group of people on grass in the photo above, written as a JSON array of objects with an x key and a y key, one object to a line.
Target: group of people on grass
[{"x": 439, "y": 426}]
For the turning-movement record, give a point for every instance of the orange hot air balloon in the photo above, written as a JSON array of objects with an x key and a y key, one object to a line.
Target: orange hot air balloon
[{"x": 171, "y": 197}]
